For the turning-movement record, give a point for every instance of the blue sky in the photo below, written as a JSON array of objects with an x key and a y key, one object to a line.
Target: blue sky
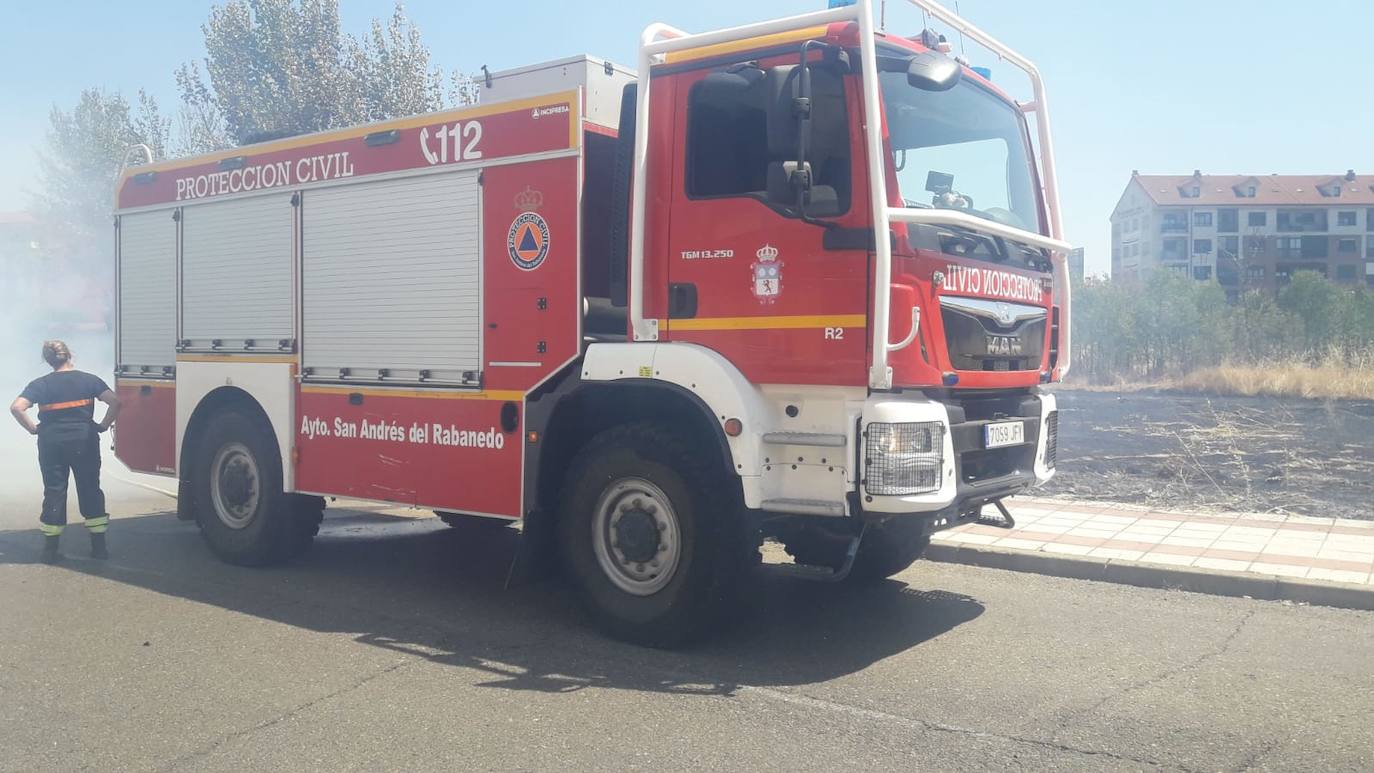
[{"x": 1228, "y": 86}]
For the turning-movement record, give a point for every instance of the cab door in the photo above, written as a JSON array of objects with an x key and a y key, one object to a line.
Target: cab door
[{"x": 784, "y": 299}]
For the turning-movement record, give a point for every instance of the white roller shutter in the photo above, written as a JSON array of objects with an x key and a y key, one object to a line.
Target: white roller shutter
[
  {"x": 147, "y": 291},
  {"x": 236, "y": 272},
  {"x": 392, "y": 278}
]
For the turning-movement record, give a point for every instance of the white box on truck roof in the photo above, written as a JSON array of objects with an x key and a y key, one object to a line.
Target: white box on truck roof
[{"x": 602, "y": 82}]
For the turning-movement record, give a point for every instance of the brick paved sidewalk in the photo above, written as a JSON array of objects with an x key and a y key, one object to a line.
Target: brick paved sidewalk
[{"x": 1326, "y": 549}]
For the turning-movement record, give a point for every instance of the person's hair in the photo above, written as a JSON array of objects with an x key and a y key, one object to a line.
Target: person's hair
[{"x": 56, "y": 353}]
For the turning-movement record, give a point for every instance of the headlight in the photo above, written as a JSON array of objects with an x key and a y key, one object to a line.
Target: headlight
[{"x": 904, "y": 458}]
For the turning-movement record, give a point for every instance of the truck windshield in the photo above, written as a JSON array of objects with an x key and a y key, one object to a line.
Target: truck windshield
[{"x": 960, "y": 149}]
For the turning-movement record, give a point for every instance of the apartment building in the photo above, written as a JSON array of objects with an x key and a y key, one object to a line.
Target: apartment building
[{"x": 1246, "y": 231}]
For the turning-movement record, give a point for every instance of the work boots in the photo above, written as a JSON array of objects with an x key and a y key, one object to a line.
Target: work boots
[
  {"x": 98, "y": 546},
  {"x": 50, "y": 554}
]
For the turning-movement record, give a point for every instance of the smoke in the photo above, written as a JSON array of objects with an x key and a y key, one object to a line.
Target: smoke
[{"x": 29, "y": 316}]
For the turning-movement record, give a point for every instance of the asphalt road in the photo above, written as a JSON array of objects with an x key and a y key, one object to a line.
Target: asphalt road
[{"x": 394, "y": 645}]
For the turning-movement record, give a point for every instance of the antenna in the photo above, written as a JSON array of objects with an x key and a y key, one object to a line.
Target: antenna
[{"x": 962, "y": 52}]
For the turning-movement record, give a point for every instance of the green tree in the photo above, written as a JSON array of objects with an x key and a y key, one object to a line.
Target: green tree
[
  {"x": 84, "y": 151},
  {"x": 1316, "y": 303},
  {"x": 1169, "y": 325},
  {"x": 282, "y": 67}
]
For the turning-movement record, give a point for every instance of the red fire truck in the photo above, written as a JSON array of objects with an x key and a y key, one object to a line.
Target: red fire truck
[{"x": 801, "y": 280}]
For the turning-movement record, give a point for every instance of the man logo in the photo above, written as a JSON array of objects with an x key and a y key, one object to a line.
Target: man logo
[
  {"x": 527, "y": 241},
  {"x": 1004, "y": 314}
]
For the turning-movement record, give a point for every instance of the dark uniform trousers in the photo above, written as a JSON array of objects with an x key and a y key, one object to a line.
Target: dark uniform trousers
[{"x": 70, "y": 449}]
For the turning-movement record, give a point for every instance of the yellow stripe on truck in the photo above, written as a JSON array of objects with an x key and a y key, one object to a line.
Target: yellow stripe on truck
[
  {"x": 765, "y": 323},
  {"x": 511, "y": 395},
  {"x": 762, "y": 41},
  {"x": 568, "y": 98}
]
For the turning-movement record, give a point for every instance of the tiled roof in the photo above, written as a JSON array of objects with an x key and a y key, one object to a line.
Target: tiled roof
[{"x": 1270, "y": 190}]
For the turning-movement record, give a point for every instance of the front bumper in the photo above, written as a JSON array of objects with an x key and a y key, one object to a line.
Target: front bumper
[{"x": 970, "y": 475}]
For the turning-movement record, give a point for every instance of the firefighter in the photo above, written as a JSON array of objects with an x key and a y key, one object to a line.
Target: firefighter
[{"x": 68, "y": 444}]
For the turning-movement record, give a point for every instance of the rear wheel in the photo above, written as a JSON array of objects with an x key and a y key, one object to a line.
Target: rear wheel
[
  {"x": 654, "y": 538},
  {"x": 241, "y": 509}
]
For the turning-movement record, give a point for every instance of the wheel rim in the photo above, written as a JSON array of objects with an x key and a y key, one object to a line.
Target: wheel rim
[
  {"x": 636, "y": 536},
  {"x": 235, "y": 485}
]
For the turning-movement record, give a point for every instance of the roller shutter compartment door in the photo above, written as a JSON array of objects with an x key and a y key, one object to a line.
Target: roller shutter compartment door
[
  {"x": 391, "y": 279},
  {"x": 147, "y": 292},
  {"x": 236, "y": 272}
]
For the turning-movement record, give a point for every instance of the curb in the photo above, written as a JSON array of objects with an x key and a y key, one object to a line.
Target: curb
[{"x": 1210, "y": 581}]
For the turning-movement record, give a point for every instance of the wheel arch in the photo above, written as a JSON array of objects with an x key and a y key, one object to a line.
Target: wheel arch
[
  {"x": 590, "y": 408},
  {"x": 214, "y": 402}
]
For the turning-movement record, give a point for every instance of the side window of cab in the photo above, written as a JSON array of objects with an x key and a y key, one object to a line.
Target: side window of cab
[{"x": 743, "y": 137}]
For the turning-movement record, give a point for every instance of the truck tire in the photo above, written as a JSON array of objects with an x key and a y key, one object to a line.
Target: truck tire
[
  {"x": 653, "y": 536},
  {"x": 886, "y": 549},
  {"x": 472, "y": 523},
  {"x": 243, "y": 514}
]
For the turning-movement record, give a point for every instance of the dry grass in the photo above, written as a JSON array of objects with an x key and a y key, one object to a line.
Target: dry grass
[
  {"x": 1328, "y": 381},
  {"x": 1339, "y": 374}
]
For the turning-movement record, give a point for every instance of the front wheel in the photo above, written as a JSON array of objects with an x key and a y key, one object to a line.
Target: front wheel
[
  {"x": 653, "y": 536},
  {"x": 241, "y": 509},
  {"x": 886, "y": 549}
]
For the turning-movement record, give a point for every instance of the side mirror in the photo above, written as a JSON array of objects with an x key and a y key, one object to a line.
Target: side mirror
[
  {"x": 785, "y": 180},
  {"x": 933, "y": 72},
  {"x": 788, "y": 184},
  {"x": 823, "y": 201}
]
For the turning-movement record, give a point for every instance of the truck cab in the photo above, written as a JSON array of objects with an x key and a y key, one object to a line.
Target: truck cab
[{"x": 905, "y": 303}]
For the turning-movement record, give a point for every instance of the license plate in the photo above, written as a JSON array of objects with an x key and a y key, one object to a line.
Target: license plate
[{"x": 1004, "y": 433}]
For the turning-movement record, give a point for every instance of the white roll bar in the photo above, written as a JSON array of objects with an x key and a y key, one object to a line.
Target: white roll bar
[
  {"x": 660, "y": 39},
  {"x": 1048, "y": 181},
  {"x": 142, "y": 149},
  {"x": 957, "y": 219}
]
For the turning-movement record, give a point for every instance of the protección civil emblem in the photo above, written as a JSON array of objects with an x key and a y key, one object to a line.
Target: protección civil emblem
[{"x": 527, "y": 241}]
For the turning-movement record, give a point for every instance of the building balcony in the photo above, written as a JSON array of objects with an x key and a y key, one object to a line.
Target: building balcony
[{"x": 1173, "y": 227}]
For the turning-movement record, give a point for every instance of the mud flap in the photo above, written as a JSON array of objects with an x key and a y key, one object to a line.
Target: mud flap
[
  {"x": 186, "y": 505},
  {"x": 536, "y": 556}
]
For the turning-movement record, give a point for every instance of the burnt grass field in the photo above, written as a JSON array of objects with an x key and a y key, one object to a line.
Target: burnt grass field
[{"x": 1204, "y": 452}]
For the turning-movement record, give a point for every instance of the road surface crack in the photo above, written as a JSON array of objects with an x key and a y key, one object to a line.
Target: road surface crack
[
  {"x": 206, "y": 751},
  {"x": 938, "y": 727},
  {"x": 1195, "y": 663}
]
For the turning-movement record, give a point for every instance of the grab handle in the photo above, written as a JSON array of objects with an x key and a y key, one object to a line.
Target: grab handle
[{"x": 911, "y": 336}]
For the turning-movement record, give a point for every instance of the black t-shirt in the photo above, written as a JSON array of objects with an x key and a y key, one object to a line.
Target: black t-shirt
[{"x": 65, "y": 396}]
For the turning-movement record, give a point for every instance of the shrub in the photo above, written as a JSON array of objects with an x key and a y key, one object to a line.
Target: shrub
[{"x": 1170, "y": 326}]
